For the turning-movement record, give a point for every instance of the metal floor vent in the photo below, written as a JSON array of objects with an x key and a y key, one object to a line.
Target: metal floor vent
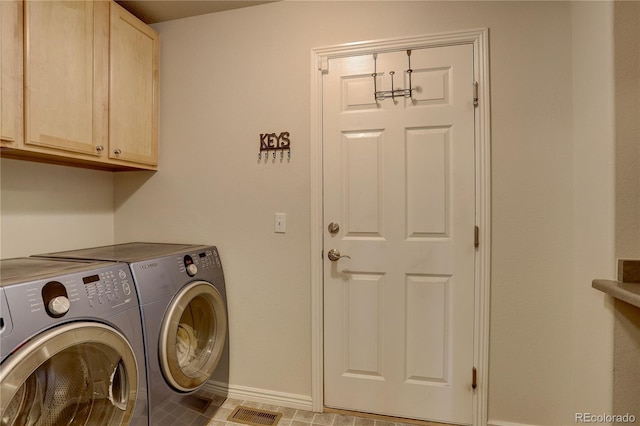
[{"x": 254, "y": 416}]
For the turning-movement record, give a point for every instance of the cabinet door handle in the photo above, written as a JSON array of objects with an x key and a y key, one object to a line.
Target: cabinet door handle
[
  {"x": 117, "y": 151},
  {"x": 99, "y": 149}
]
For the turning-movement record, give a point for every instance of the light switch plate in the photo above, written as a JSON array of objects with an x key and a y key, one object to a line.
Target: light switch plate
[{"x": 280, "y": 223}]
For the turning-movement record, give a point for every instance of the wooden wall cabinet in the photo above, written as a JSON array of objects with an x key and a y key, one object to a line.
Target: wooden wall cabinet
[
  {"x": 66, "y": 76},
  {"x": 90, "y": 86},
  {"x": 11, "y": 117},
  {"x": 133, "y": 92}
]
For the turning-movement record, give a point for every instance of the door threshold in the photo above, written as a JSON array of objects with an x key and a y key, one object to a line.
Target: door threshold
[{"x": 382, "y": 417}]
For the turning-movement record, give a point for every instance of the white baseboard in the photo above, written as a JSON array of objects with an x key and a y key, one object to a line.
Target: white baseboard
[
  {"x": 264, "y": 396},
  {"x": 501, "y": 423}
]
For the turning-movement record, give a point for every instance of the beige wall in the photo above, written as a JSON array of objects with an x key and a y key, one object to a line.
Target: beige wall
[
  {"x": 593, "y": 203},
  {"x": 47, "y": 207},
  {"x": 227, "y": 77}
]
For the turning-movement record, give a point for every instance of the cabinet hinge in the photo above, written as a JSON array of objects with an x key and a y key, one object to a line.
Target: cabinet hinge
[
  {"x": 475, "y": 94},
  {"x": 476, "y": 237},
  {"x": 474, "y": 378}
]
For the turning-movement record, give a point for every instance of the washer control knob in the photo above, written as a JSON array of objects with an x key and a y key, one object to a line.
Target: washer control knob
[
  {"x": 59, "y": 305},
  {"x": 192, "y": 269}
]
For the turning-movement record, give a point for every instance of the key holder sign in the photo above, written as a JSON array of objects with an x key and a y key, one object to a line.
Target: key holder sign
[{"x": 272, "y": 142}]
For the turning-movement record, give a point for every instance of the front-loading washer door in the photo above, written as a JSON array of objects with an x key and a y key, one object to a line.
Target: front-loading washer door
[
  {"x": 192, "y": 336},
  {"x": 80, "y": 373}
]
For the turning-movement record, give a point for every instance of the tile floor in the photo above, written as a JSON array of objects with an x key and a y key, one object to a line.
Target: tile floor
[{"x": 293, "y": 417}]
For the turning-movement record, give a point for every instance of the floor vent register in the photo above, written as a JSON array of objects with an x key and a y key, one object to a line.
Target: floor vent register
[{"x": 254, "y": 416}]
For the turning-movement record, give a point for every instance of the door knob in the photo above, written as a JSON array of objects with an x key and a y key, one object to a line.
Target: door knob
[{"x": 334, "y": 255}]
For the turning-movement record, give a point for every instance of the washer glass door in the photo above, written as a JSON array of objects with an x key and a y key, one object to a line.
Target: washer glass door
[
  {"x": 80, "y": 373},
  {"x": 192, "y": 336}
]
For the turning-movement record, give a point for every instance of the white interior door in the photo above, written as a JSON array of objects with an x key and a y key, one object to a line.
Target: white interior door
[{"x": 399, "y": 180}]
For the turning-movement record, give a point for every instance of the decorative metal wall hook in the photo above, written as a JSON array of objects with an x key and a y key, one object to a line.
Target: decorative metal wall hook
[
  {"x": 380, "y": 95},
  {"x": 275, "y": 142}
]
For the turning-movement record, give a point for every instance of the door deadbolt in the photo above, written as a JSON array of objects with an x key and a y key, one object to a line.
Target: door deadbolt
[{"x": 333, "y": 228}]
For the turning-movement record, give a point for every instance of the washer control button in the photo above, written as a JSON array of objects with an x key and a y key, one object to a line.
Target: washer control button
[
  {"x": 190, "y": 265},
  {"x": 192, "y": 269},
  {"x": 125, "y": 288},
  {"x": 59, "y": 305},
  {"x": 55, "y": 299}
]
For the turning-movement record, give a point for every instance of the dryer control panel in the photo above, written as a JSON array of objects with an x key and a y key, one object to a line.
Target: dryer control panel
[
  {"x": 206, "y": 260},
  {"x": 162, "y": 277}
]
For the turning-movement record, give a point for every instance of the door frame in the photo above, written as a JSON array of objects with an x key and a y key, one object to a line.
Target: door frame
[{"x": 320, "y": 57}]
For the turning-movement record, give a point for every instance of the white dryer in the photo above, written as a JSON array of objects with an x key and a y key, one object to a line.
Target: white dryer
[
  {"x": 72, "y": 349},
  {"x": 184, "y": 313}
]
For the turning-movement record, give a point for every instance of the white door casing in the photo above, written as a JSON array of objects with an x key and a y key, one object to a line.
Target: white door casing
[{"x": 407, "y": 250}]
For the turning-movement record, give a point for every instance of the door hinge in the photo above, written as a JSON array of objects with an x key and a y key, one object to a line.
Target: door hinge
[
  {"x": 475, "y": 94},
  {"x": 323, "y": 64},
  {"x": 476, "y": 237},
  {"x": 474, "y": 378}
]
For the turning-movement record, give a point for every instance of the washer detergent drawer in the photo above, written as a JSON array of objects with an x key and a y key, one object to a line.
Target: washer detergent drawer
[{"x": 6, "y": 325}]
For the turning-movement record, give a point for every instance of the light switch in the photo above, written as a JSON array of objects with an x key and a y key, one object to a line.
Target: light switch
[{"x": 280, "y": 223}]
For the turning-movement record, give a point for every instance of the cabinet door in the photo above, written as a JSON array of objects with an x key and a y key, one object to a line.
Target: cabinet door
[
  {"x": 11, "y": 130},
  {"x": 66, "y": 75},
  {"x": 133, "y": 90}
]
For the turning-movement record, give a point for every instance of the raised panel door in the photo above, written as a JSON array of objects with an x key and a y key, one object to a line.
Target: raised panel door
[
  {"x": 11, "y": 45},
  {"x": 399, "y": 179},
  {"x": 66, "y": 75},
  {"x": 133, "y": 124}
]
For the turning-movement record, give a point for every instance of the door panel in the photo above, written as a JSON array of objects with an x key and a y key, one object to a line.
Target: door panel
[
  {"x": 361, "y": 309},
  {"x": 399, "y": 178},
  {"x": 362, "y": 172},
  {"x": 427, "y": 182},
  {"x": 427, "y": 326}
]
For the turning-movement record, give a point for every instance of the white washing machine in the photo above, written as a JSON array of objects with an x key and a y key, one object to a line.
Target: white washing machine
[
  {"x": 184, "y": 312},
  {"x": 72, "y": 349}
]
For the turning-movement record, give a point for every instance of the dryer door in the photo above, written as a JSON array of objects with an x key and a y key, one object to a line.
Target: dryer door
[
  {"x": 79, "y": 373},
  {"x": 192, "y": 336}
]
